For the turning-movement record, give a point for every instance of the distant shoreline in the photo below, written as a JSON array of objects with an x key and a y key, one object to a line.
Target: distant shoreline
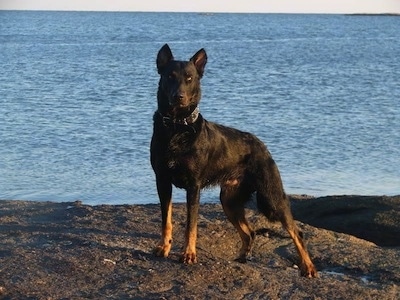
[{"x": 374, "y": 14}]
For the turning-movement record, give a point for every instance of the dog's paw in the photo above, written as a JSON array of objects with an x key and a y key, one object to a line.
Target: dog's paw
[
  {"x": 162, "y": 250},
  {"x": 308, "y": 271},
  {"x": 189, "y": 258}
]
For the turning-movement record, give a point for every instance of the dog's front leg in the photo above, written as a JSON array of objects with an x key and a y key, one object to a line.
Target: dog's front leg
[
  {"x": 192, "y": 202},
  {"x": 164, "y": 189}
]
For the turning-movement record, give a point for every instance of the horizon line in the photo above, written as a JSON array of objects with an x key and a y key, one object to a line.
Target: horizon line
[{"x": 209, "y": 12}]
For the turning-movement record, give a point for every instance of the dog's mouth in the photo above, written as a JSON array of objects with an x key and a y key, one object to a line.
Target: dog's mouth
[
  {"x": 179, "y": 109},
  {"x": 177, "y": 104},
  {"x": 181, "y": 102}
]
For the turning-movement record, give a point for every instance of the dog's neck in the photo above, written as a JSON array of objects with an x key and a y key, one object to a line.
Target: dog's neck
[{"x": 167, "y": 120}]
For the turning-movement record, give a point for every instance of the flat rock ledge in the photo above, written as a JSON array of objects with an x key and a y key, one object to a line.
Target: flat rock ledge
[{"x": 73, "y": 251}]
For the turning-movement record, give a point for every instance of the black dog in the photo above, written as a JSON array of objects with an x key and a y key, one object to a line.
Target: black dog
[{"x": 191, "y": 153}]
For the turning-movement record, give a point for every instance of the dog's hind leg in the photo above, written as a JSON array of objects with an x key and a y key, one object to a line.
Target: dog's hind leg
[
  {"x": 282, "y": 213},
  {"x": 274, "y": 204},
  {"x": 232, "y": 200},
  {"x": 307, "y": 268},
  {"x": 164, "y": 188}
]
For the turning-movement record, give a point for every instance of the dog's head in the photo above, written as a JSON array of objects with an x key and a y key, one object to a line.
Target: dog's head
[{"x": 179, "y": 87}]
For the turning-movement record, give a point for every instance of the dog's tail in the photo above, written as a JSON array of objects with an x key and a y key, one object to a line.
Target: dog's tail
[{"x": 272, "y": 200}]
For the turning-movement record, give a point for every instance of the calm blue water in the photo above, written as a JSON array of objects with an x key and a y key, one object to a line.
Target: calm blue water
[{"x": 78, "y": 90}]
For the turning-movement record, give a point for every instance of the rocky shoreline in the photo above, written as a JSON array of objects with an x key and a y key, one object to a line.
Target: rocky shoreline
[{"x": 73, "y": 251}]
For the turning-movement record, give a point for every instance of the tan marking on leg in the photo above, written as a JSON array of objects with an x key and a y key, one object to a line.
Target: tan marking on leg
[
  {"x": 190, "y": 256},
  {"x": 247, "y": 236},
  {"x": 164, "y": 246},
  {"x": 307, "y": 268}
]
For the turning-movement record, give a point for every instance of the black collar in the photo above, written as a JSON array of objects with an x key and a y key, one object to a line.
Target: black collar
[{"x": 167, "y": 121}]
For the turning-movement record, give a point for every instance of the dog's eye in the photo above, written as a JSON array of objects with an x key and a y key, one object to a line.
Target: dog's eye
[{"x": 189, "y": 78}]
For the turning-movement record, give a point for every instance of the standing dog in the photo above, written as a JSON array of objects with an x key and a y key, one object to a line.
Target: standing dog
[{"x": 191, "y": 153}]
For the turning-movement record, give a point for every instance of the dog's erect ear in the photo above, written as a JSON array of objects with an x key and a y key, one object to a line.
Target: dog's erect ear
[
  {"x": 200, "y": 60},
  {"x": 164, "y": 57}
]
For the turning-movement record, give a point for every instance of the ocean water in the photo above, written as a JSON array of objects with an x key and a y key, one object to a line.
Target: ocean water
[{"x": 78, "y": 91}]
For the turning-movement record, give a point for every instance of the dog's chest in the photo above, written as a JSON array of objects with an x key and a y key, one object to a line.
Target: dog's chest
[
  {"x": 182, "y": 163},
  {"x": 181, "y": 171}
]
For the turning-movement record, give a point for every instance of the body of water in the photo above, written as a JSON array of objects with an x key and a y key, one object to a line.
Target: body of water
[{"x": 78, "y": 91}]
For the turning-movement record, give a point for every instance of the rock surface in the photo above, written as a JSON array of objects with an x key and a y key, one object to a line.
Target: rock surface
[
  {"x": 372, "y": 218},
  {"x": 73, "y": 251}
]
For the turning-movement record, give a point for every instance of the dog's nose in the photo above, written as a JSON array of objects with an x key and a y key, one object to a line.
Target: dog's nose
[{"x": 178, "y": 96}]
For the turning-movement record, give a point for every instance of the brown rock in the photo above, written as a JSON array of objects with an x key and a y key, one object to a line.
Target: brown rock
[{"x": 73, "y": 251}]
